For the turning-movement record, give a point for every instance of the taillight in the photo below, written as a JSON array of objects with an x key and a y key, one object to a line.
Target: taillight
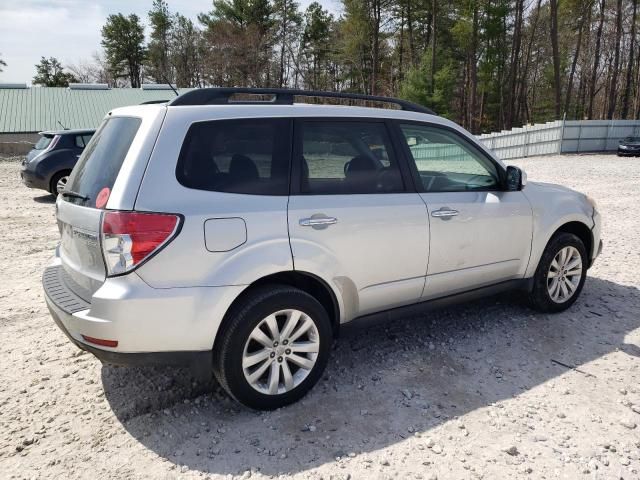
[{"x": 129, "y": 238}]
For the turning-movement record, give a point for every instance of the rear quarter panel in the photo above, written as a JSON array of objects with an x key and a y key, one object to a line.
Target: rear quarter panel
[{"x": 186, "y": 261}]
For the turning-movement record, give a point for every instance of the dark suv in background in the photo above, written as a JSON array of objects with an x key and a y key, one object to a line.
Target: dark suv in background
[{"x": 48, "y": 165}]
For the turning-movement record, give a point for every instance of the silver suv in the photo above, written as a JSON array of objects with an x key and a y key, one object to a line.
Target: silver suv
[{"x": 235, "y": 229}]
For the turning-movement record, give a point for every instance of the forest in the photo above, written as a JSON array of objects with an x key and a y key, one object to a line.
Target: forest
[{"x": 486, "y": 64}]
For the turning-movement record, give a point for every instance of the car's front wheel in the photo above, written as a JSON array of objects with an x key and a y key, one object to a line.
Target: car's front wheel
[
  {"x": 560, "y": 275},
  {"x": 273, "y": 347}
]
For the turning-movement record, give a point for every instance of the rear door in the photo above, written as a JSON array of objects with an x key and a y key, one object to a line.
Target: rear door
[
  {"x": 79, "y": 212},
  {"x": 480, "y": 233},
  {"x": 351, "y": 216}
]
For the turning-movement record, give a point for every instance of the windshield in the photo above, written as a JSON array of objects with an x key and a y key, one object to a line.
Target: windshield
[
  {"x": 96, "y": 171},
  {"x": 632, "y": 139},
  {"x": 43, "y": 143}
]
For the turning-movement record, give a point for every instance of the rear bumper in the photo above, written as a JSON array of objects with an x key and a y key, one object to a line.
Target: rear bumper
[
  {"x": 32, "y": 180},
  {"x": 186, "y": 359},
  {"x": 628, "y": 153},
  {"x": 152, "y": 326}
]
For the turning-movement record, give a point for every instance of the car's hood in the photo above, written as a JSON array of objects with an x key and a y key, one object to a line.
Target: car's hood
[{"x": 630, "y": 144}]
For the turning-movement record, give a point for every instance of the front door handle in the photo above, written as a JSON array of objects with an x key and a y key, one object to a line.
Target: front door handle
[
  {"x": 317, "y": 221},
  {"x": 444, "y": 213}
]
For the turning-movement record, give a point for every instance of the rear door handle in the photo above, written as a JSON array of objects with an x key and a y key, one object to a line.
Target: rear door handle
[
  {"x": 317, "y": 221},
  {"x": 444, "y": 213}
]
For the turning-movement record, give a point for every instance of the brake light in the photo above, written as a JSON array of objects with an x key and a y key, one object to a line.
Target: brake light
[{"x": 129, "y": 238}]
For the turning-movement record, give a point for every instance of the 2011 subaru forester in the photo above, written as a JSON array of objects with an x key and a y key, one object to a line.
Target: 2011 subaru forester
[{"x": 242, "y": 234}]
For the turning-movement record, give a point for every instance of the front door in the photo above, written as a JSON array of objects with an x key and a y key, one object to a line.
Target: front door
[
  {"x": 480, "y": 233},
  {"x": 351, "y": 219}
]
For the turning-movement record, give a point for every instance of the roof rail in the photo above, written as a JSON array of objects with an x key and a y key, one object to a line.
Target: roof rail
[{"x": 281, "y": 96}]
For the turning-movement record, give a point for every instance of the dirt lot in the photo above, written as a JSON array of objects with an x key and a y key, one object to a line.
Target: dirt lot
[{"x": 476, "y": 391}]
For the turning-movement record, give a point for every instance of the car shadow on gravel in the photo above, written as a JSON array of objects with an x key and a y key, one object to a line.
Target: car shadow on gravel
[
  {"x": 382, "y": 384},
  {"x": 45, "y": 199}
]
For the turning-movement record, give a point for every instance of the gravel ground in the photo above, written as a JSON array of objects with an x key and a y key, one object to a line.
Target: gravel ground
[{"x": 486, "y": 390}]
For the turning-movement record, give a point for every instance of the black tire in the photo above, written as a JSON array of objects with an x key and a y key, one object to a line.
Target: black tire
[
  {"x": 238, "y": 325},
  {"x": 54, "y": 181},
  {"x": 539, "y": 297}
]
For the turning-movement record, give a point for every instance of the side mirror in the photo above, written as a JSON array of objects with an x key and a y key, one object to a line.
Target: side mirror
[{"x": 516, "y": 179}]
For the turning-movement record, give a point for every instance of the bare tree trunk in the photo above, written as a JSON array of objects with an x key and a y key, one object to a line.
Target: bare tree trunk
[
  {"x": 473, "y": 73},
  {"x": 596, "y": 60},
  {"x": 434, "y": 11},
  {"x": 628, "y": 84},
  {"x": 616, "y": 62},
  {"x": 567, "y": 101},
  {"x": 553, "y": 5},
  {"x": 412, "y": 46},
  {"x": 515, "y": 59},
  {"x": 401, "y": 47},
  {"x": 524, "y": 84},
  {"x": 283, "y": 40}
]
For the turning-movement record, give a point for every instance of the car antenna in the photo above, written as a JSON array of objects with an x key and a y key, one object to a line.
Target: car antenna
[
  {"x": 166, "y": 80},
  {"x": 60, "y": 123}
]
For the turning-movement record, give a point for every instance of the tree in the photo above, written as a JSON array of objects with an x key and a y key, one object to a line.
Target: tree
[
  {"x": 185, "y": 52},
  {"x": 288, "y": 22},
  {"x": 50, "y": 73},
  {"x": 161, "y": 23},
  {"x": 315, "y": 46},
  {"x": 632, "y": 45},
  {"x": 123, "y": 42},
  {"x": 557, "y": 86},
  {"x": 238, "y": 35},
  {"x": 613, "y": 88},
  {"x": 596, "y": 60},
  {"x": 2, "y": 64}
]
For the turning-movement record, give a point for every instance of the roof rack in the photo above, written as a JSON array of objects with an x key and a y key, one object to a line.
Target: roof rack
[{"x": 281, "y": 96}]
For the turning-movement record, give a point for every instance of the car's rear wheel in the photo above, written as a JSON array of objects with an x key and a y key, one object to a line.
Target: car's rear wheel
[
  {"x": 273, "y": 347},
  {"x": 560, "y": 275},
  {"x": 59, "y": 182}
]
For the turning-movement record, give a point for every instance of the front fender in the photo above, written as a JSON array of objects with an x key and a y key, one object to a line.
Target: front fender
[{"x": 553, "y": 206}]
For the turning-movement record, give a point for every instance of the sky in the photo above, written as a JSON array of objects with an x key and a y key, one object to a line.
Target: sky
[{"x": 70, "y": 29}]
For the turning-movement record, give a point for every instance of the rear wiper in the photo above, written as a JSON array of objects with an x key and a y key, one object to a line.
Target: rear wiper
[{"x": 72, "y": 194}]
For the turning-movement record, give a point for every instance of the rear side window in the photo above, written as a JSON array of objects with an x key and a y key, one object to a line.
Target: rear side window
[
  {"x": 100, "y": 162},
  {"x": 82, "y": 140},
  {"x": 347, "y": 157},
  {"x": 236, "y": 156}
]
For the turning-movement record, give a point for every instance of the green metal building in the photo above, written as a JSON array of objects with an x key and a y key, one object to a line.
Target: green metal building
[{"x": 26, "y": 111}]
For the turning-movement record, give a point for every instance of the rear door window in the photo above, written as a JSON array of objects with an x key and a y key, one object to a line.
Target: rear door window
[
  {"x": 347, "y": 157},
  {"x": 236, "y": 156},
  {"x": 100, "y": 163}
]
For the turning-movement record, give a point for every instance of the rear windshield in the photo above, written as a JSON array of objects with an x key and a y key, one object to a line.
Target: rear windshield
[
  {"x": 43, "y": 143},
  {"x": 96, "y": 171}
]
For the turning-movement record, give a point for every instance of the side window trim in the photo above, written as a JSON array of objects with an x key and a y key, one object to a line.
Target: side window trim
[
  {"x": 408, "y": 157},
  {"x": 297, "y": 151}
]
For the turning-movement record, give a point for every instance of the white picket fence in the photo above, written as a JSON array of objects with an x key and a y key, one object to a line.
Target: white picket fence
[{"x": 568, "y": 136}]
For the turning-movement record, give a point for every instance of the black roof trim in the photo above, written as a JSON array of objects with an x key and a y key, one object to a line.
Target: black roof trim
[{"x": 282, "y": 96}]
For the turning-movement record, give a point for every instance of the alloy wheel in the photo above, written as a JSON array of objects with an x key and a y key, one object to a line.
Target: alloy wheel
[
  {"x": 62, "y": 183},
  {"x": 564, "y": 275},
  {"x": 280, "y": 352}
]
